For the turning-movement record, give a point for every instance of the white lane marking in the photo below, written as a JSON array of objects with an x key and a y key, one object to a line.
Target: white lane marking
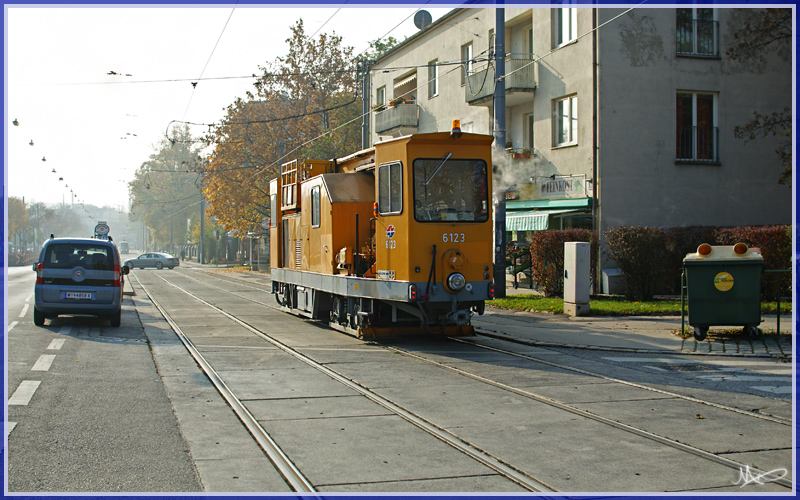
[
  {"x": 24, "y": 311},
  {"x": 653, "y": 360},
  {"x": 12, "y": 325},
  {"x": 65, "y": 330},
  {"x": 777, "y": 389},
  {"x": 734, "y": 362},
  {"x": 56, "y": 344},
  {"x": 784, "y": 371},
  {"x": 22, "y": 396},
  {"x": 29, "y": 297},
  {"x": 11, "y": 426},
  {"x": 748, "y": 378},
  {"x": 655, "y": 368},
  {"x": 43, "y": 363}
]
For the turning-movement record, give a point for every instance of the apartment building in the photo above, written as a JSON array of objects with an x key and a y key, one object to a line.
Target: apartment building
[{"x": 614, "y": 117}]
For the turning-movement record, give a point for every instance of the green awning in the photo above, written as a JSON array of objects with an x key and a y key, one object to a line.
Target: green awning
[
  {"x": 549, "y": 204},
  {"x": 532, "y": 220}
]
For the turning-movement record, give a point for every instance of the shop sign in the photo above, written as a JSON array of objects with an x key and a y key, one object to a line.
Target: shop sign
[{"x": 563, "y": 187}]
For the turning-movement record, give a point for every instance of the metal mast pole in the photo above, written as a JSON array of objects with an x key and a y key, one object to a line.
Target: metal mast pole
[{"x": 499, "y": 146}]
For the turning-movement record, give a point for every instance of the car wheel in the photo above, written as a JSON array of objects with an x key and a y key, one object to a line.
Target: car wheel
[
  {"x": 116, "y": 318},
  {"x": 170, "y": 267},
  {"x": 38, "y": 317},
  {"x": 159, "y": 265}
]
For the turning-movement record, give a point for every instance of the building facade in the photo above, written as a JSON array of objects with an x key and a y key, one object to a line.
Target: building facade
[{"x": 614, "y": 116}]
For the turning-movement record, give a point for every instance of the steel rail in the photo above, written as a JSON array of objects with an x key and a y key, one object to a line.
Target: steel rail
[
  {"x": 769, "y": 418},
  {"x": 296, "y": 480},
  {"x": 515, "y": 475},
  {"x": 619, "y": 425},
  {"x": 770, "y": 476}
]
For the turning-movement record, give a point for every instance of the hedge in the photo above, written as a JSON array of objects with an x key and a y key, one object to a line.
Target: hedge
[
  {"x": 642, "y": 256},
  {"x": 651, "y": 259},
  {"x": 547, "y": 257}
]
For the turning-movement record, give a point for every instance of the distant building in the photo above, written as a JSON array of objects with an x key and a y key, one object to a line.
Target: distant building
[{"x": 626, "y": 123}]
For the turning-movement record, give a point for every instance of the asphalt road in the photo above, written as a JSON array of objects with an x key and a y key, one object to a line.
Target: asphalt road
[{"x": 87, "y": 411}]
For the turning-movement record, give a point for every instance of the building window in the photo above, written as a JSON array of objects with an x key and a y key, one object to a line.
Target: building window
[
  {"x": 565, "y": 121},
  {"x": 390, "y": 188},
  {"x": 528, "y": 130},
  {"x": 433, "y": 78},
  {"x": 380, "y": 96},
  {"x": 565, "y": 26},
  {"x": 466, "y": 61},
  {"x": 697, "y": 32},
  {"x": 697, "y": 130},
  {"x": 315, "y": 209},
  {"x": 530, "y": 41}
]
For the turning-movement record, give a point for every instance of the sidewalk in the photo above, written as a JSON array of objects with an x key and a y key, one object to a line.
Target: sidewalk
[
  {"x": 652, "y": 334},
  {"x": 640, "y": 333}
]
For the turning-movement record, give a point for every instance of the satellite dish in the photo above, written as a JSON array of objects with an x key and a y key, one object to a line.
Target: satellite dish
[{"x": 422, "y": 19}]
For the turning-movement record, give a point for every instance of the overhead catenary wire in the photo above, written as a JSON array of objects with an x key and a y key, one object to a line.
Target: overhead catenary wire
[{"x": 194, "y": 84}]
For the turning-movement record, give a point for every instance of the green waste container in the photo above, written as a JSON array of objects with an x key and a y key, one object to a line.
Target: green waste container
[{"x": 724, "y": 288}]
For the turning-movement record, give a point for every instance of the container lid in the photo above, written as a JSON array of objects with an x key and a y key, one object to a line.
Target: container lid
[{"x": 724, "y": 253}]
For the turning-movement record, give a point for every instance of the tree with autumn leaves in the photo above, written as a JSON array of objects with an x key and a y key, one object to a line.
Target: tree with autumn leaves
[
  {"x": 165, "y": 190},
  {"x": 304, "y": 106},
  {"x": 765, "y": 34}
]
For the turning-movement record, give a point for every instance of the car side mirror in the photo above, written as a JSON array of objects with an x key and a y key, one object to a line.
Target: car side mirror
[
  {"x": 34, "y": 265},
  {"x": 126, "y": 269}
]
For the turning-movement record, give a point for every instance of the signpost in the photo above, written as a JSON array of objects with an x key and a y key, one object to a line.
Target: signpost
[{"x": 101, "y": 230}]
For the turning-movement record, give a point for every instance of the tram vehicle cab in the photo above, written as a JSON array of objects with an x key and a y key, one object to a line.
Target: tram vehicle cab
[{"x": 389, "y": 240}]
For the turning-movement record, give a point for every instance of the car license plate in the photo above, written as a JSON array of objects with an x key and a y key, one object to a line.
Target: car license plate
[{"x": 77, "y": 295}]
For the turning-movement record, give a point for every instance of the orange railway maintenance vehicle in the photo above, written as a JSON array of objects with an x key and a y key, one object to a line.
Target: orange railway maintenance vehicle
[{"x": 393, "y": 239}]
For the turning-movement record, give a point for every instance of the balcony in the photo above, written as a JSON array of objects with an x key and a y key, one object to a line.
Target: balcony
[
  {"x": 401, "y": 119},
  {"x": 522, "y": 79},
  {"x": 698, "y": 145}
]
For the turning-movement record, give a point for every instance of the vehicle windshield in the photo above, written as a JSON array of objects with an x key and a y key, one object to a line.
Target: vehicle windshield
[
  {"x": 69, "y": 255},
  {"x": 450, "y": 190}
]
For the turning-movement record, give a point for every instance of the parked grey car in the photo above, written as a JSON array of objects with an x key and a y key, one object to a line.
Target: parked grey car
[
  {"x": 78, "y": 276},
  {"x": 153, "y": 259}
]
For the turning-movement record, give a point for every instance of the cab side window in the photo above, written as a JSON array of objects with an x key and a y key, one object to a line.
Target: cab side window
[
  {"x": 390, "y": 188},
  {"x": 315, "y": 208}
]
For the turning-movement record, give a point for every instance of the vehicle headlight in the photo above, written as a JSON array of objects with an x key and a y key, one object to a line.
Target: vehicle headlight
[{"x": 456, "y": 281}]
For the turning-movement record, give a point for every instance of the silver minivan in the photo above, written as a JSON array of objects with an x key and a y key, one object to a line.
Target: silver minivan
[{"x": 78, "y": 276}]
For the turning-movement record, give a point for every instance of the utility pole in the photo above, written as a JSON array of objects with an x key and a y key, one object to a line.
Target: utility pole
[
  {"x": 499, "y": 147},
  {"x": 363, "y": 67},
  {"x": 202, "y": 255}
]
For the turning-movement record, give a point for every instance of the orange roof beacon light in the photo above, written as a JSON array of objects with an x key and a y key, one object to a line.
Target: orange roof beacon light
[
  {"x": 740, "y": 249},
  {"x": 704, "y": 249},
  {"x": 455, "y": 131}
]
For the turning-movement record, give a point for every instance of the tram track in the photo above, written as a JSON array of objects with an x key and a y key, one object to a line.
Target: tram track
[
  {"x": 499, "y": 466},
  {"x": 293, "y": 476},
  {"x": 762, "y": 416}
]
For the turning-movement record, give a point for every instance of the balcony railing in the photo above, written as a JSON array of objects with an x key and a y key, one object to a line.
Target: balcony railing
[
  {"x": 698, "y": 145},
  {"x": 522, "y": 75},
  {"x": 697, "y": 38},
  {"x": 403, "y": 115}
]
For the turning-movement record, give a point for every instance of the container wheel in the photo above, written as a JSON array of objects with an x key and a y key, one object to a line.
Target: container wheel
[
  {"x": 700, "y": 332},
  {"x": 751, "y": 331}
]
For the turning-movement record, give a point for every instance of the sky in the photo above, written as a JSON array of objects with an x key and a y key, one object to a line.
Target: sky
[{"x": 96, "y": 88}]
